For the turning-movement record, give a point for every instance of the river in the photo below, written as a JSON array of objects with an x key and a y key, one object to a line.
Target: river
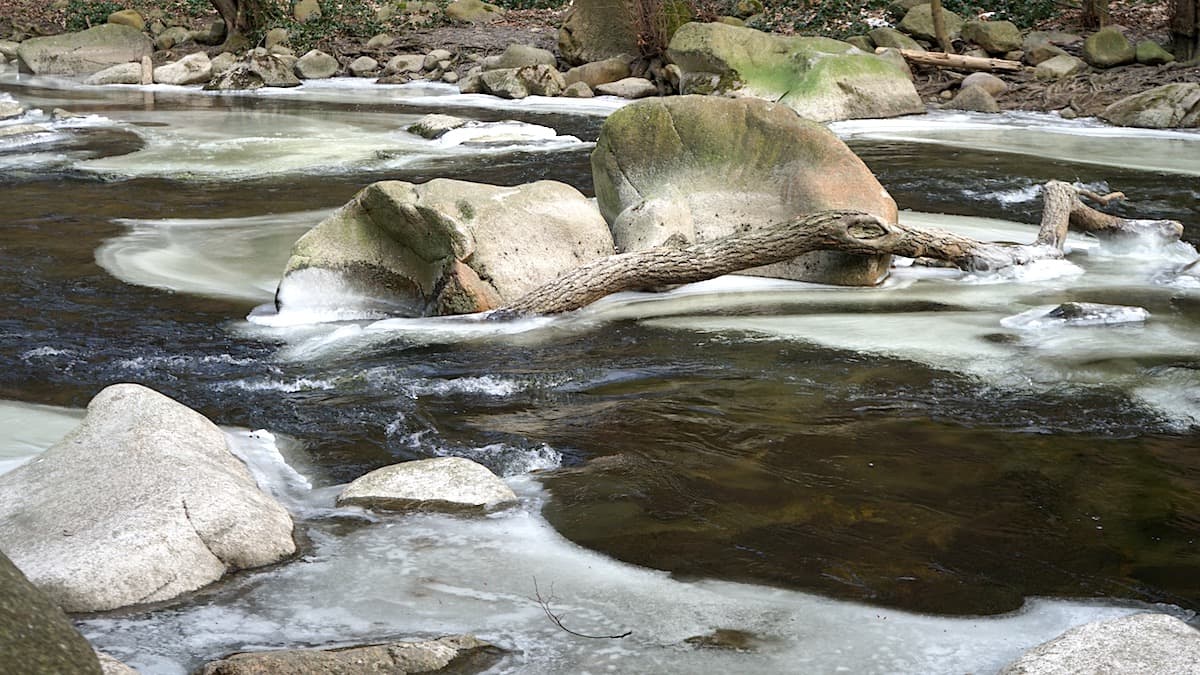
[{"x": 921, "y": 477}]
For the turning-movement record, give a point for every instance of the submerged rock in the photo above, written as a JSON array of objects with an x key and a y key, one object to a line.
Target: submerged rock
[
  {"x": 446, "y": 246},
  {"x": 1166, "y": 107},
  {"x": 440, "y": 483},
  {"x": 1076, "y": 314},
  {"x": 820, "y": 78},
  {"x": 699, "y": 167},
  {"x": 85, "y": 52},
  {"x": 1139, "y": 644},
  {"x": 140, "y": 503},
  {"x": 726, "y": 638},
  {"x": 460, "y": 654},
  {"x": 36, "y": 638}
]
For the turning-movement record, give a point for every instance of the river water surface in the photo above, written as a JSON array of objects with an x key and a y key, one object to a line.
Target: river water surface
[{"x": 928, "y": 476}]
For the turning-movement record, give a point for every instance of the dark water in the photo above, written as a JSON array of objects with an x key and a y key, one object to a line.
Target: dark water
[{"x": 708, "y": 455}]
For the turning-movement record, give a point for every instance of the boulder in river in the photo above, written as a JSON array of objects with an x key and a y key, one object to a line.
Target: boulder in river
[
  {"x": 446, "y": 246},
  {"x": 1167, "y": 107},
  {"x": 439, "y": 483},
  {"x": 85, "y": 52},
  {"x": 191, "y": 69},
  {"x": 140, "y": 503},
  {"x": 122, "y": 73},
  {"x": 36, "y": 638},
  {"x": 460, "y": 654},
  {"x": 820, "y": 78},
  {"x": 1138, "y": 644},
  {"x": 695, "y": 168}
]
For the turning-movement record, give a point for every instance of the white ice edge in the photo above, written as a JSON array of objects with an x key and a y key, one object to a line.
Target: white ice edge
[{"x": 427, "y": 574}]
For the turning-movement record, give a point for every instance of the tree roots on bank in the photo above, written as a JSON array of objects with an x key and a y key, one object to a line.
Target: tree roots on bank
[{"x": 845, "y": 231}]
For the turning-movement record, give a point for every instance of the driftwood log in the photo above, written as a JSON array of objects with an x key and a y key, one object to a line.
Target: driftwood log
[
  {"x": 959, "y": 61},
  {"x": 845, "y": 231}
]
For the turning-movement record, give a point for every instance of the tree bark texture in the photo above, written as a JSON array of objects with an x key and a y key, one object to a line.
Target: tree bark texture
[
  {"x": 1095, "y": 14},
  {"x": 1185, "y": 29},
  {"x": 846, "y": 231},
  {"x": 939, "y": 26}
]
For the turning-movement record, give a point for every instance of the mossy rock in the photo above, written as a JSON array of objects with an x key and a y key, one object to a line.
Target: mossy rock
[
  {"x": 36, "y": 637},
  {"x": 820, "y": 78},
  {"x": 1107, "y": 48}
]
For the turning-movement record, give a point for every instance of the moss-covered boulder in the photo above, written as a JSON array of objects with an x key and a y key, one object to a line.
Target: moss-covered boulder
[
  {"x": 83, "y": 53},
  {"x": 820, "y": 78},
  {"x": 1167, "y": 107},
  {"x": 444, "y": 247},
  {"x": 1107, "y": 48},
  {"x": 36, "y": 638},
  {"x": 995, "y": 37},
  {"x": 886, "y": 36},
  {"x": 918, "y": 22},
  {"x": 1150, "y": 53},
  {"x": 695, "y": 168}
]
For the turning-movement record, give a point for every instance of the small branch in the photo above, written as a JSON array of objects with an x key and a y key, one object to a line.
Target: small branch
[{"x": 544, "y": 603}]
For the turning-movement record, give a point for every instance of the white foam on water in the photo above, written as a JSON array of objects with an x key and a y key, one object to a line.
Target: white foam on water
[
  {"x": 1039, "y": 135},
  {"x": 238, "y": 258}
]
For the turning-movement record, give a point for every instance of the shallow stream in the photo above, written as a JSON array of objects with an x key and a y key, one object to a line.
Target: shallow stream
[{"x": 921, "y": 477}]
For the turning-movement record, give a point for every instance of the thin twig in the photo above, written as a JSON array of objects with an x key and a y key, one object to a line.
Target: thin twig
[{"x": 545, "y": 605}]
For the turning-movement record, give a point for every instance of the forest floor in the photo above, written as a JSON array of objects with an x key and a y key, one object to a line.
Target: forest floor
[{"x": 1086, "y": 94}]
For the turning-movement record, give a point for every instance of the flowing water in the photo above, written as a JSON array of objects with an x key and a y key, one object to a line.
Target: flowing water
[{"x": 928, "y": 476}]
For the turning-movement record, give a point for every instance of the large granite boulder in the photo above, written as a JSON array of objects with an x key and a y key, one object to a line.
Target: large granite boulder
[
  {"x": 695, "y": 168},
  {"x": 1107, "y": 48},
  {"x": 1167, "y": 107},
  {"x": 1139, "y": 644},
  {"x": 439, "y": 483},
  {"x": 191, "y": 69},
  {"x": 595, "y": 30},
  {"x": 995, "y": 37},
  {"x": 918, "y": 22},
  {"x": 140, "y": 503},
  {"x": 85, "y": 52},
  {"x": 258, "y": 69},
  {"x": 446, "y": 246},
  {"x": 459, "y": 654},
  {"x": 35, "y": 636},
  {"x": 820, "y": 78}
]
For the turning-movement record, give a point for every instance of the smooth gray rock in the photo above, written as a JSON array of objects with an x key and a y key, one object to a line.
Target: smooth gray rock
[
  {"x": 122, "y": 73},
  {"x": 435, "y": 125},
  {"x": 191, "y": 69},
  {"x": 175, "y": 35},
  {"x": 974, "y": 98},
  {"x": 503, "y": 83},
  {"x": 448, "y": 246},
  {"x": 629, "y": 87},
  {"x": 140, "y": 503},
  {"x": 1167, "y": 107},
  {"x": 519, "y": 56},
  {"x": 85, "y": 52},
  {"x": 1059, "y": 67},
  {"x": 598, "y": 72},
  {"x": 223, "y": 62},
  {"x": 404, "y": 63},
  {"x": 473, "y": 11},
  {"x": 433, "y": 58},
  {"x": 595, "y": 30},
  {"x": 36, "y": 638},
  {"x": 578, "y": 90},
  {"x": 990, "y": 83},
  {"x": 380, "y": 41},
  {"x": 890, "y": 37},
  {"x": 697, "y": 168},
  {"x": 459, "y": 654},
  {"x": 1139, "y": 644},
  {"x": 440, "y": 483},
  {"x": 8, "y": 49},
  {"x": 10, "y": 109},
  {"x": 363, "y": 66},
  {"x": 315, "y": 65}
]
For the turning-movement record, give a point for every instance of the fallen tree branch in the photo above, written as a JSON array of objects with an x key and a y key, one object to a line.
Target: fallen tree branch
[
  {"x": 844, "y": 231},
  {"x": 544, "y": 603},
  {"x": 959, "y": 61}
]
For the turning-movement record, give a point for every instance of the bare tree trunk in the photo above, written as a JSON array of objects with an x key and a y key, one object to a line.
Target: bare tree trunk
[
  {"x": 241, "y": 17},
  {"x": 1095, "y": 14},
  {"x": 939, "y": 26},
  {"x": 846, "y": 231},
  {"x": 1185, "y": 29}
]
